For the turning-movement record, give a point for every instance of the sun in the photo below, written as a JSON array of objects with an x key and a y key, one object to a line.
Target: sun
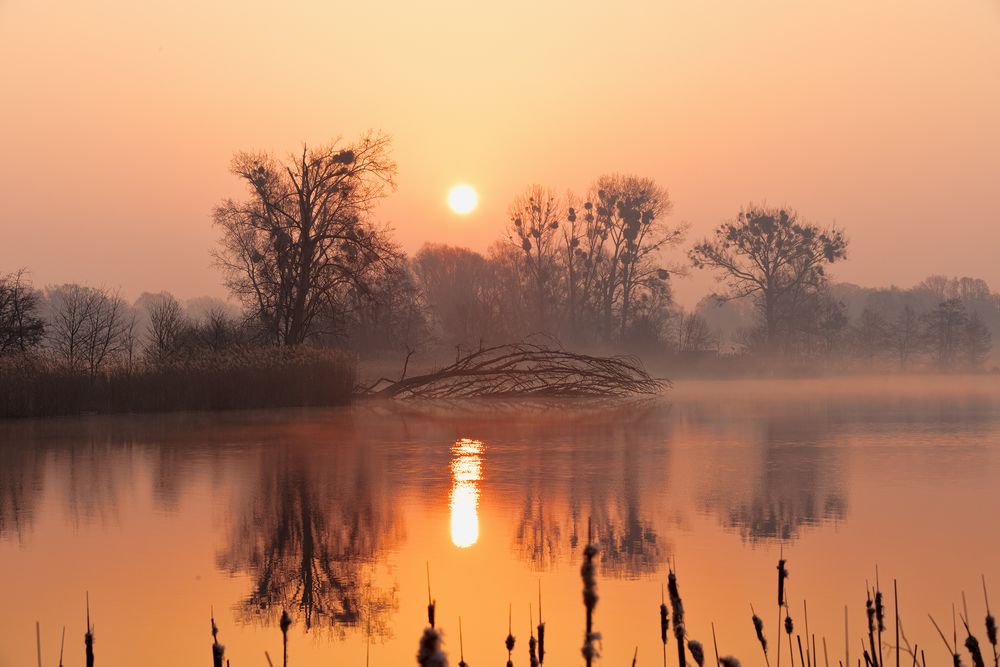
[{"x": 462, "y": 199}]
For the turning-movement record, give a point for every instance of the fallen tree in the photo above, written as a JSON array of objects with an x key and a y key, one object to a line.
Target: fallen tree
[{"x": 524, "y": 369}]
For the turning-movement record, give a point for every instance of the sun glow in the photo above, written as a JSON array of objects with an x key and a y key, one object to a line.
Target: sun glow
[
  {"x": 462, "y": 199},
  {"x": 466, "y": 472}
]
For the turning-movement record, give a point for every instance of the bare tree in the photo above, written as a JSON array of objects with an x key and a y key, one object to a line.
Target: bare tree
[
  {"x": 870, "y": 334},
  {"x": 770, "y": 255},
  {"x": 904, "y": 336},
  {"x": 631, "y": 232},
  {"x": 166, "y": 328},
  {"x": 944, "y": 327},
  {"x": 534, "y": 221},
  {"x": 304, "y": 235},
  {"x": 21, "y": 328},
  {"x": 89, "y": 326},
  {"x": 976, "y": 342}
]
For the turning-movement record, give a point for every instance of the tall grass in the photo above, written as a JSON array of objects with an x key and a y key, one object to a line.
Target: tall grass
[{"x": 241, "y": 378}]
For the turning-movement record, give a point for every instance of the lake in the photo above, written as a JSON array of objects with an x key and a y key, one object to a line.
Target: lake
[{"x": 338, "y": 516}]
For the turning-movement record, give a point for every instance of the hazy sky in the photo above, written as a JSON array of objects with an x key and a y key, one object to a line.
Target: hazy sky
[{"x": 118, "y": 119}]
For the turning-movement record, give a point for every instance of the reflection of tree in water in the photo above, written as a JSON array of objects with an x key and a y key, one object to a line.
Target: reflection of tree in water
[
  {"x": 309, "y": 537},
  {"x": 21, "y": 478},
  {"x": 600, "y": 478},
  {"x": 795, "y": 482}
]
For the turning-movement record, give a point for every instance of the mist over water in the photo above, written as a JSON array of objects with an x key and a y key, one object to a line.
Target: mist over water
[{"x": 336, "y": 514}]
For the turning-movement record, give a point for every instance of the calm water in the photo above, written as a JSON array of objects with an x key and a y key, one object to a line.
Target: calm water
[{"x": 336, "y": 515}]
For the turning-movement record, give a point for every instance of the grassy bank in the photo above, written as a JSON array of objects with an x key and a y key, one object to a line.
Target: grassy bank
[{"x": 271, "y": 377}]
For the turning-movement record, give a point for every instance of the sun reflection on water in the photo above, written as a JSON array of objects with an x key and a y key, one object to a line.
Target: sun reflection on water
[{"x": 466, "y": 472}]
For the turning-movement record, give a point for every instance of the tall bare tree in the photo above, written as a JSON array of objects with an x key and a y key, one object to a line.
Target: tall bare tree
[
  {"x": 89, "y": 327},
  {"x": 629, "y": 232},
  {"x": 21, "y": 327},
  {"x": 773, "y": 257},
  {"x": 534, "y": 221},
  {"x": 304, "y": 237}
]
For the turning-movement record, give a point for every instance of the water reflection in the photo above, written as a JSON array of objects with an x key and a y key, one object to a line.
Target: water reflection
[
  {"x": 466, "y": 473},
  {"x": 790, "y": 478},
  {"x": 310, "y": 532}
]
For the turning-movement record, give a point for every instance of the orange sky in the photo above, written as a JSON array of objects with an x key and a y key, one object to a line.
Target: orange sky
[{"x": 118, "y": 119}]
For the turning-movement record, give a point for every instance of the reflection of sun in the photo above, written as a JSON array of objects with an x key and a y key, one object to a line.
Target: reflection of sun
[{"x": 466, "y": 472}]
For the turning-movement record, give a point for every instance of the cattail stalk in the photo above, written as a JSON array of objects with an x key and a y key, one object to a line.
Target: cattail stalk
[
  {"x": 715, "y": 646},
  {"x": 789, "y": 626},
  {"x": 955, "y": 658},
  {"x": 697, "y": 652},
  {"x": 430, "y": 602},
  {"x": 62, "y": 645},
  {"x": 588, "y": 572},
  {"x": 541, "y": 627},
  {"x": 971, "y": 643},
  {"x": 532, "y": 642},
  {"x": 509, "y": 642},
  {"x": 678, "y": 609},
  {"x": 782, "y": 575},
  {"x": 461, "y": 646},
  {"x": 991, "y": 626},
  {"x": 88, "y": 638},
  {"x": 218, "y": 650},
  {"x": 284, "y": 624},
  {"x": 870, "y": 612},
  {"x": 429, "y": 654},
  {"x": 664, "y": 624},
  {"x": 879, "y": 617},
  {"x": 758, "y": 626}
]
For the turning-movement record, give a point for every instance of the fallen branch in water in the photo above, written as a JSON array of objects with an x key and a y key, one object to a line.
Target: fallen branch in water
[{"x": 524, "y": 369}]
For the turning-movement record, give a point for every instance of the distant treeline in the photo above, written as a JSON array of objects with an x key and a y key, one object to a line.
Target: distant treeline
[
  {"x": 309, "y": 268},
  {"x": 72, "y": 349}
]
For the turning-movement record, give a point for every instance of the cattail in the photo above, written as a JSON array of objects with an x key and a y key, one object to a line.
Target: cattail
[
  {"x": 870, "y": 613},
  {"x": 532, "y": 642},
  {"x": 991, "y": 626},
  {"x": 588, "y": 572},
  {"x": 429, "y": 654},
  {"x": 782, "y": 575},
  {"x": 284, "y": 624},
  {"x": 678, "y": 609},
  {"x": 431, "y": 604},
  {"x": 509, "y": 642},
  {"x": 541, "y": 627},
  {"x": 88, "y": 637},
  {"x": 461, "y": 646},
  {"x": 879, "y": 611},
  {"x": 218, "y": 650},
  {"x": 697, "y": 652},
  {"x": 789, "y": 626},
  {"x": 729, "y": 661},
  {"x": 972, "y": 644},
  {"x": 758, "y": 626},
  {"x": 664, "y": 622}
]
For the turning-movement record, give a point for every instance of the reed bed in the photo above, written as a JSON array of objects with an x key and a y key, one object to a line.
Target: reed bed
[
  {"x": 240, "y": 378},
  {"x": 431, "y": 652}
]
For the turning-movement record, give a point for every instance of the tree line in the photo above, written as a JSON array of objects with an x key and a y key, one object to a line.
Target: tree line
[{"x": 306, "y": 260}]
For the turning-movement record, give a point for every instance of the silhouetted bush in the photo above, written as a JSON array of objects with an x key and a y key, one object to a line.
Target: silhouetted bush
[{"x": 241, "y": 378}]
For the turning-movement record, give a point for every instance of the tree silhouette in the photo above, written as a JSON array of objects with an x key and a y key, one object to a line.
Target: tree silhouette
[
  {"x": 303, "y": 243},
  {"x": 769, "y": 255},
  {"x": 309, "y": 537}
]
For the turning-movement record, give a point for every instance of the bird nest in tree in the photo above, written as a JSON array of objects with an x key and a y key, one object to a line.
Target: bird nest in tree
[{"x": 525, "y": 369}]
